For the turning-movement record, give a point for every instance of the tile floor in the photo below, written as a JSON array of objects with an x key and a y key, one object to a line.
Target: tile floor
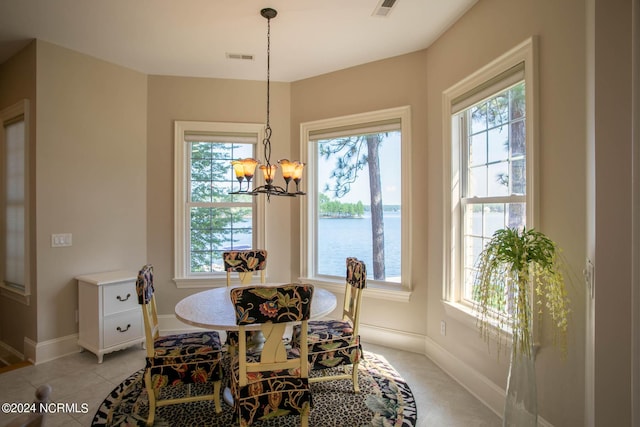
[{"x": 78, "y": 378}]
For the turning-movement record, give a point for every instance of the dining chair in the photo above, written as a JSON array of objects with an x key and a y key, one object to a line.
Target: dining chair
[
  {"x": 333, "y": 343},
  {"x": 176, "y": 360},
  {"x": 274, "y": 381},
  {"x": 245, "y": 263}
]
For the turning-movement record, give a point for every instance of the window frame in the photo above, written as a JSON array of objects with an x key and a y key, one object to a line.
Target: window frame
[
  {"x": 19, "y": 111},
  {"x": 183, "y": 278},
  {"x": 308, "y": 209},
  {"x": 524, "y": 54}
]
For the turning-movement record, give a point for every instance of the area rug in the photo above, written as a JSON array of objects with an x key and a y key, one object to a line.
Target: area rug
[{"x": 384, "y": 400}]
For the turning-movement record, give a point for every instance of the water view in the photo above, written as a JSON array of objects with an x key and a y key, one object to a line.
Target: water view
[{"x": 339, "y": 238}]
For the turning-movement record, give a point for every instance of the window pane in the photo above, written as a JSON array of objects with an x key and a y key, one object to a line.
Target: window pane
[
  {"x": 500, "y": 121},
  {"x": 477, "y": 185},
  {"x": 498, "y": 179},
  {"x": 478, "y": 149},
  {"x": 14, "y": 195},
  {"x": 214, "y": 229},
  {"x": 359, "y": 200}
]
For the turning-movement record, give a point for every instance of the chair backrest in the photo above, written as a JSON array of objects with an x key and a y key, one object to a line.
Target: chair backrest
[
  {"x": 270, "y": 309},
  {"x": 147, "y": 300},
  {"x": 356, "y": 281},
  {"x": 245, "y": 263}
]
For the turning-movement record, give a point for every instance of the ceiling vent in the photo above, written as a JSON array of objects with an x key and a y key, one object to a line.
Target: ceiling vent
[
  {"x": 384, "y": 8},
  {"x": 242, "y": 56}
]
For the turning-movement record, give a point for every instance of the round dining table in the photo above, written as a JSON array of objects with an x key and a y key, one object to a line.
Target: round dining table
[{"x": 212, "y": 309}]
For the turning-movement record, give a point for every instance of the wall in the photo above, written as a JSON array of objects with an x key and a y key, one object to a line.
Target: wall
[
  {"x": 217, "y": 100},
  {"x": 91, "y": 177},
  {"x": 612, "y": 128},
  {"x": 489, "y": 29},
  {"x": 17, "y": 82}
]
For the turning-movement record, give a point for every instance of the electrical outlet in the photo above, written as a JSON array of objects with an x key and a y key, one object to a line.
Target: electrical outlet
[
  {"x": 443, "y": 327},
  {"x": 60, "y": 240}
]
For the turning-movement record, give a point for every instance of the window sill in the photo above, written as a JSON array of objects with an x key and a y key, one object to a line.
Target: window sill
[
  {"x": 15, "y": 295},
  {"x": 209, "y": 282},
  {"x": 200, "y": 282},
  {"x": 373, "y": 290}
]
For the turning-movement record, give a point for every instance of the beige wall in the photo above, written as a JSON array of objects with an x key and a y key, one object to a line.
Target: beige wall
[
  {"x": 491, "y": 28},
  {"x": 91, "y": 177},
  {"x": 611, "y": 124},
  {"x": 17, "y": 82},
  {"x": 216, "y": 100}
]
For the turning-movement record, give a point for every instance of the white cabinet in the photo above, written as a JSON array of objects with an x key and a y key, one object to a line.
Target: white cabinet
[{"x": 109, "y": 315}]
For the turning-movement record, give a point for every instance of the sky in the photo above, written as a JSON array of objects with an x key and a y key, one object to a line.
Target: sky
[{"x": 390, "y": 165}]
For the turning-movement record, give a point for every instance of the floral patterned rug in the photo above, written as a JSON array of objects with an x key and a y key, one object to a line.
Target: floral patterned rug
[{"x": 385, "y": 399}]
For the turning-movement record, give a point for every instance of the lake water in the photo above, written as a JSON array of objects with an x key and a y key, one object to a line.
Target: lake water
[{"x": 339, "y": 238}]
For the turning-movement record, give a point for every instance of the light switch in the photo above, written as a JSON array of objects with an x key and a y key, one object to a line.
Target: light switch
[{"x": 60, "y": 240}]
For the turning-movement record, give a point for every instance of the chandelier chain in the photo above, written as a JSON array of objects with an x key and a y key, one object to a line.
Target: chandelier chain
[{"x": 267, "y": 140}]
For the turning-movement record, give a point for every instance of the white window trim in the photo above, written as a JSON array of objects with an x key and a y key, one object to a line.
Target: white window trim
[
  {"x": 18, "y": 109},
  {"x": 181, "y": 277},
  {"x": 375, "y": 289},
  {"x": 525, "y": 52}
]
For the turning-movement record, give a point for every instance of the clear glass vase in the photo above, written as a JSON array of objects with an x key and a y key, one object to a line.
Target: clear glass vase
[{"x": 521, "y": 405}]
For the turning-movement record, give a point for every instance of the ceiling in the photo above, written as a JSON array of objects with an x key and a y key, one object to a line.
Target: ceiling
[{"x": 193, "y": 37}]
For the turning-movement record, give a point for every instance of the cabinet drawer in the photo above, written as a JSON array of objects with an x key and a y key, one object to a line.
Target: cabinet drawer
[
  {"x": 119, "y": 297},
  {"x": 122, "y": 327}
]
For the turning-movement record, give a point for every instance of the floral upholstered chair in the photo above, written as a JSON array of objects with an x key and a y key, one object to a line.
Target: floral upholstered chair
[
  {"x": 335, "y": 343},
  {"x": 176, "y": 360},
  {"x": 245, "y": 263},
  {"x": 273, "y": 381}
]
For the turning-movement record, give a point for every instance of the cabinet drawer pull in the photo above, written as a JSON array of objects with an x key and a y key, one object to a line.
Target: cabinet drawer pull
[
  {"x": 119, "y": 298},
  {"x": 119, "y": 329}
]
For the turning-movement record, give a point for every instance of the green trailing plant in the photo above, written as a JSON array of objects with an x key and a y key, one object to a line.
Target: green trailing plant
[{"x": 515, "y": 266}]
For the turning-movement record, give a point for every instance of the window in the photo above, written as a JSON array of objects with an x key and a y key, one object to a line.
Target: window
[
  {"x": 15, "y": 202},
  {"x": 490, "y": 128},
  {"x": 209, "y": 220},
  {"x": 357, "y": 203}
]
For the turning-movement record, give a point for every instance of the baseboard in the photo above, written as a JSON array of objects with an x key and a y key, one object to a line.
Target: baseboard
[
  {"x": 392, "y": 338},
  {"x": 6, "y": 347},
  {"x": 40, "y": 352}
]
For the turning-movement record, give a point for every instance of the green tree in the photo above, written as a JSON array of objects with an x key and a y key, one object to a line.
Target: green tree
[{"x": 212, "y": 228}]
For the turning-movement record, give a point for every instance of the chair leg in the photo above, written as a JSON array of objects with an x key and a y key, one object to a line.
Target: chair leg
[
  {"x": 152, "y": 397},
  {"x": 354, "y": 378},
  {"x": 304, "y": 418},
  {"x": 216, "y": 395}
]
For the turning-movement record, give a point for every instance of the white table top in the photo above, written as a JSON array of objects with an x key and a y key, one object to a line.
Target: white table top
[{"x": 212, "y": 309}]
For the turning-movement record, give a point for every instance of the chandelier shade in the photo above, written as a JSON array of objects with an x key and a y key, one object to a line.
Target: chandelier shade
[{"x": 244, "y": 169}]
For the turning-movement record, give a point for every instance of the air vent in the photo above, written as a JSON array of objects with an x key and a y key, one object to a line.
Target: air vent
[
  {"x": 242, "y": 56},
  {"x": 384, "y": 7}
]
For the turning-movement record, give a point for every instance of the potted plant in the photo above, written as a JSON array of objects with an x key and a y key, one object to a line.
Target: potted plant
[{"x": 517, "y": 270}]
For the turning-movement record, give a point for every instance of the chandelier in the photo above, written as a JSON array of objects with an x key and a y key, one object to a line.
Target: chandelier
[{"x": 244, "y": 169}]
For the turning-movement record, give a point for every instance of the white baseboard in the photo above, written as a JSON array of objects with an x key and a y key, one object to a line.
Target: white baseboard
[
  {"x": 6, "y": 347},
  {"x": 45, "y": 351}
]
